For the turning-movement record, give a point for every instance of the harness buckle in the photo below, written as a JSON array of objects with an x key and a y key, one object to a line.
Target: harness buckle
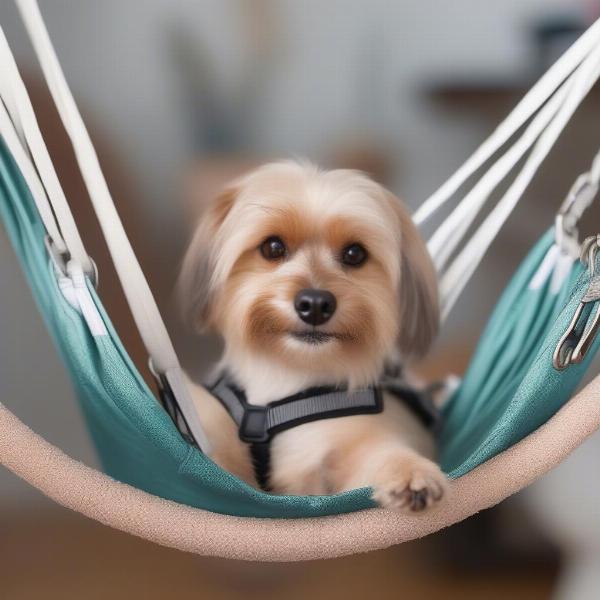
[
  {"x": 253, "y": 428},
  {"x": 574, "y": 345}
]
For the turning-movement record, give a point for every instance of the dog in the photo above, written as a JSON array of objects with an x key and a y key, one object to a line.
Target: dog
[{"x": 316, "y": 278}]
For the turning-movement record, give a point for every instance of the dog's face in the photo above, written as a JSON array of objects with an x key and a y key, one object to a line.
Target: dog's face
[{"x": 320, "y": 271}]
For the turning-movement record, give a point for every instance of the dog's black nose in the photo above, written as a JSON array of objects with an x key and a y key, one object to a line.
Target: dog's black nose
[{"x": 315, "y": 307}]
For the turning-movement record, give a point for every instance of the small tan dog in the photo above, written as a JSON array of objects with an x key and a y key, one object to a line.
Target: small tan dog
[{"x": 315, "y": 278}]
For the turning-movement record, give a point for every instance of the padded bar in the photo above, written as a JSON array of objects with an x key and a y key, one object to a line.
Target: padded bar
[{"x": 97, "y": 496}]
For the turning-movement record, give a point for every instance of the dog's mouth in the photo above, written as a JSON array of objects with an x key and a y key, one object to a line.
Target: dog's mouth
[{"x": 315, "y": 337}]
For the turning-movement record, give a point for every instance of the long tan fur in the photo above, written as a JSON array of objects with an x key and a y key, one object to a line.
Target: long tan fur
[{"x": 386, "y": 304}]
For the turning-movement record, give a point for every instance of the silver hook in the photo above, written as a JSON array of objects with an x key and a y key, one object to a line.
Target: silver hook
[
  {"x": 580, "y": 197},
  {"x": 575, "y": 343},
  {"x": 578, "y": 200}
]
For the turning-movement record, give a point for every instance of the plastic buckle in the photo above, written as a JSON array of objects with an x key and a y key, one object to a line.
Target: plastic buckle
[
  {"x": 61, "y": 259},
  {"x": 254, "y": 424},
  {"x": 577, "y": 340}
]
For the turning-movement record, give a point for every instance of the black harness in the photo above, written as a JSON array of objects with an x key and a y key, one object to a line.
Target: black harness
[{"x": 257, "y": 425}]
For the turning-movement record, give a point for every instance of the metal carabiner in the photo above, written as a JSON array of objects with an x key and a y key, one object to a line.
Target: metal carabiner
[
  {"x": 574, "y": 345},
  {"x": 578, "y": 200}
]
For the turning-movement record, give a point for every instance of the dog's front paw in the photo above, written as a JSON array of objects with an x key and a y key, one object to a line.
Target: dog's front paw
[{"x": 410, "y": 484}]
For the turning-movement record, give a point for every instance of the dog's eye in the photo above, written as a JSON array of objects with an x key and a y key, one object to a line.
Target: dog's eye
[
  {"x": 273, "y": 248},
  {"x": 354, "y": 255}
]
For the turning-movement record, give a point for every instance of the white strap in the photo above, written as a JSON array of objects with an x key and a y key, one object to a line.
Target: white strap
[
  {"x": 74, "y": 288},
  {"x": 13, "y": 143},
  {"x": 452, "y": 231},
  {"x": 139, "y": 297},
  {"x": 530, "y": 103},
  {"x": 467, "y": 261},
  {"x": 14, "y": 94}
]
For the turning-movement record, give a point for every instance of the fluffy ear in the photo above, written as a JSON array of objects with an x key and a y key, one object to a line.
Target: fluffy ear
[
  {"x": 194, "y": 290},
  {"x": 418, "y": 294}
]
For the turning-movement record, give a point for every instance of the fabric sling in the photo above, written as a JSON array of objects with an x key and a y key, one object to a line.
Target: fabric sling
[
  {"x": 139, "y": 444},
  {"x": 509, "y": 391}
]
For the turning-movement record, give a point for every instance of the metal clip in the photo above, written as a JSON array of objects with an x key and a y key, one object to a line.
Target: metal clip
[
  {"x": 580, "y": 197},
  {"x": 585, "y": 324}
]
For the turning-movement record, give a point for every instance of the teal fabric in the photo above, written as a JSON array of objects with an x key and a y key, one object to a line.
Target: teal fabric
[
  {"x": 136, "y": 440},
  {"x": 510, "y": 388}
]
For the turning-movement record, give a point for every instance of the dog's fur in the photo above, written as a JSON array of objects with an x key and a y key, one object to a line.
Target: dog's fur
[{"x": 387, "y": 305}]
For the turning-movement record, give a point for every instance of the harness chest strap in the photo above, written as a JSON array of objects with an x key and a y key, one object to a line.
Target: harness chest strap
[{"x": 257, "y": 425}]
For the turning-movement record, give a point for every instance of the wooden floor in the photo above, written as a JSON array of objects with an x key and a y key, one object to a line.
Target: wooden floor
[{"x": 59, "y": 555}]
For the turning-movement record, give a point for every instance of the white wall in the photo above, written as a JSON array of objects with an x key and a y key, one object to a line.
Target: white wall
[{"x": 115, "y": 57}]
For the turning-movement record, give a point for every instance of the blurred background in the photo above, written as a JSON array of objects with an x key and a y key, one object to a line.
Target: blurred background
[{"x": 182, "y": 96}]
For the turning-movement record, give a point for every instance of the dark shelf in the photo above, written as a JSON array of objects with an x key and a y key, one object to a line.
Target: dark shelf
[{"x": 480, "y": 93}]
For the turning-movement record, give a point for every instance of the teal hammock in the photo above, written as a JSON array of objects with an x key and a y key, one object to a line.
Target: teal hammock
[{"x": 509, "y": 390}]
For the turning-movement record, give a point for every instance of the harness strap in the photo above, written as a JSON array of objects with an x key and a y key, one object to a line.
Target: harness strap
[
  {"x": 260, "y": 423},
  {"x": 420, "y": 401},
  {"x": 257, "y": 425}
]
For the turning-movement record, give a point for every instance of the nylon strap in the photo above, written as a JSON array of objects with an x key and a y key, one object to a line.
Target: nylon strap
[
  {"x": 260, "y": 423},
  {"x": 145, "y": 312},
  {"x": 458, "y": 274},
  {"x": 549, "y": 104},
  {"x": 257, "y": 425},
  {"x": 525, "y": 109},
  {"x": 52, "y": 204}
]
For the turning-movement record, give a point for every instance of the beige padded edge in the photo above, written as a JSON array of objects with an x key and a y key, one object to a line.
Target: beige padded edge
[{"x": 99, "y": 497}]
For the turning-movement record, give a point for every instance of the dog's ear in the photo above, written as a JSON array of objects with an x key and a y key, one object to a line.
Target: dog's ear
[
  {"x": 194, "y": 289},
  {"x": 418, "y": 293}
]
